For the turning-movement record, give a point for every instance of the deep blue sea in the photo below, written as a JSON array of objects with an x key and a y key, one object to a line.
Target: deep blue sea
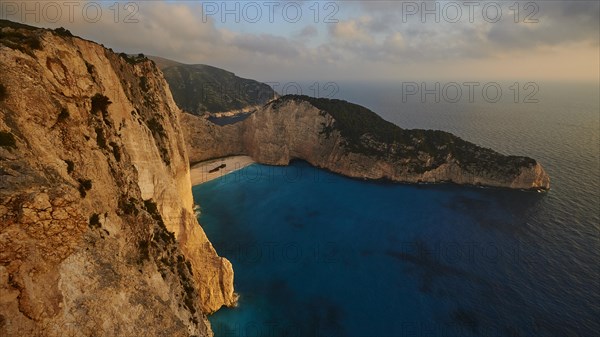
[{"x": 317, "y": 254}]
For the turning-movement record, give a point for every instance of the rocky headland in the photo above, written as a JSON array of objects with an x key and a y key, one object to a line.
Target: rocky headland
[
  {"x": 202, "y": 89},
  {"x": 353, "y": 141}
]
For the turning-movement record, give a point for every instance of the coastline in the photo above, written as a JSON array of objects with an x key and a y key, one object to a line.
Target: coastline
[{"x": 200, "y": 172}]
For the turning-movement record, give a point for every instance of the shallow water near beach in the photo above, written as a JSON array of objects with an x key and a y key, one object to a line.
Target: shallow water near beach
[{"x": 317, "y": 254}]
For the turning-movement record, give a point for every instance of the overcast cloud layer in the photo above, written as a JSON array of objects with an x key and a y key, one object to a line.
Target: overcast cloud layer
[{"x": 344, "y": 40}]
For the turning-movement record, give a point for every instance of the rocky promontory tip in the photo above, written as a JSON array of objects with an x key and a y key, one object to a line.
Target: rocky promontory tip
[
  {"x": 430, "y": 153},
  {"x": 352, "y": 140}
]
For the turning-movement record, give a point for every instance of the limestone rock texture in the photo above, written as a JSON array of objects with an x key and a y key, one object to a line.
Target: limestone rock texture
[
  {"x": 293, "y": 128},
  {"x": 97, "y": 231}
]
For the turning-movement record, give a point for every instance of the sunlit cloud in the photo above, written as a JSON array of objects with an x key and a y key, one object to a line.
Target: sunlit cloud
[{"x": 347, "y": 40}]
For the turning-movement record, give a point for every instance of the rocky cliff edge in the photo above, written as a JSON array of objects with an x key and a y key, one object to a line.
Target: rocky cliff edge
[{"x": 97, "y": 230}]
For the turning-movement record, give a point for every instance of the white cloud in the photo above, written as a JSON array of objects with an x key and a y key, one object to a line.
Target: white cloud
[
  {"x": 371, "y": 41},
  {"x": 353, "y": 31}
]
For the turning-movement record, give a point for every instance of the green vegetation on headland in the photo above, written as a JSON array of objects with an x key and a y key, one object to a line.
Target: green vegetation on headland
[
  {"x": 200, "y": 88},
  {"x": 366, "y": 133},
  {"x": 133, "y": 59}
]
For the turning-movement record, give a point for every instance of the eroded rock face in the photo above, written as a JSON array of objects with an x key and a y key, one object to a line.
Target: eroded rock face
[
  {"x": 206, "y": 140},
  {"x": 294, "y": 128},
  {"x": 97, "y": 230}
]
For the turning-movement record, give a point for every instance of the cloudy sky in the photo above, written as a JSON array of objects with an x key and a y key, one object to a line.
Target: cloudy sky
[{"x": 344, "y": 40}]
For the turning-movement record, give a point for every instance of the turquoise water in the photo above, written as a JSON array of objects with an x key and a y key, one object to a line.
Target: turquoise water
[{"x": 316, "y": 254}]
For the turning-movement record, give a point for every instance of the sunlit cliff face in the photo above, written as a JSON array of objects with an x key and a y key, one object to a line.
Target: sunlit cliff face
[{"x": 96, "y": 215}]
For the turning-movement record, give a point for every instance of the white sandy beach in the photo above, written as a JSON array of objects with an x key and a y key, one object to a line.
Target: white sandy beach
[{"x": 200, "y": 172}]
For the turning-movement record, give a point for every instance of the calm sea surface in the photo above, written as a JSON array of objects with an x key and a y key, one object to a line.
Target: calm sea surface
[{"x": 316, "y": 254}]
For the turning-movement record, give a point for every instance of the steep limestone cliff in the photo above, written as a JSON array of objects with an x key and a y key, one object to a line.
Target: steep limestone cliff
[
  {"x": 351, "y": 140},
  {"x": 97, "y": 230}
]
